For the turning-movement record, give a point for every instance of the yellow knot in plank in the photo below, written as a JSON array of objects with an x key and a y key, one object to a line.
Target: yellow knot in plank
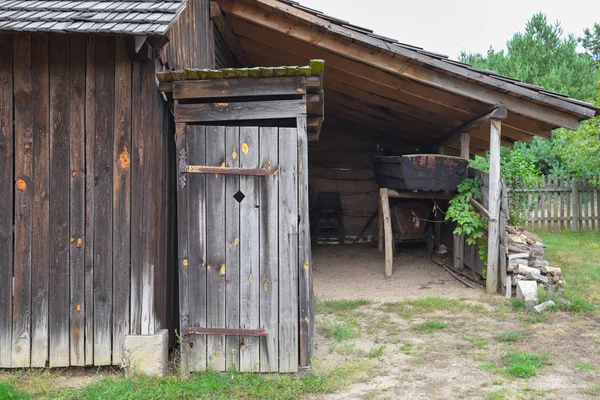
[
  {"x": 223, "y": 269},
  {"x": 269, "y": 166},
  {"x": 276, "y": 172},
  {"x": 72, "y": 240},
  {"x": 306, "y": 319},
  {"x": 221, "y": 104},
  {"x": 299, "y": 90},
  {"x": 21, "y": 185},
  {"x": 79, "y": 242},
  {"x": 234, "y": 154},
  {"x": 306, "y": 265},
  {"x": 185, "y": 262},
  {"x": 250, "y": 278},
  {"x": 233, "y": 351},
  {"x": 237, "y": 241},
  {"x": 124, "y": 158},
  {"x": 245, "y": 148},
  {"x": 74, "y": 174},
  {"x": 266, "y": 287},
  {"x": 78, "y": 308},
  {"x": 217, "y": 354}
]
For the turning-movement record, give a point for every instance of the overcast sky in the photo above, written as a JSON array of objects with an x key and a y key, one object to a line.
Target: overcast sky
[{"x": 449, "y": 26}]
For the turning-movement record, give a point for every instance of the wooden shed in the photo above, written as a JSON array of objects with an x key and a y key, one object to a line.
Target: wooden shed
[{"x": 93, "y": 183}]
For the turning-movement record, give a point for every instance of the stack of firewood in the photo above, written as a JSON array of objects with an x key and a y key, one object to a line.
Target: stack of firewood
[{"x": 526, "y": 260}]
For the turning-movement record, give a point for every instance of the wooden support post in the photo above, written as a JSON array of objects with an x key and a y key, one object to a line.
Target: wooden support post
[
  {"x": 465, "y": 145},
  {"x": 459, "y": 240},
  {"x": 576, "y": 205},
  {"x": 494, "y": 207},
  {"x": 387, "y": 227},
  {"x": 380, "y": 228}
]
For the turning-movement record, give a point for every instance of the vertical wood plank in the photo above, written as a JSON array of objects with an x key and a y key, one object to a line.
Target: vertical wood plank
[
  {"x": 121, "y": 200},
  {"x": 568, "y": 195},
  {"x": 40, "y": 241},
  {"x": 555, "y": 214},
  {"x": 215, "y": 247},
  {"x": 138, "y": 158},
  {"x": 389, "y": 239},
  {"x": 59, "y": 201},
  {"x": 232, "y": 251},
  {"x": 585, "y": 197},
  {"x": 494, "y": 207},
  {"x": 6, "y": 198},
  {"x": 21, "y": 329},
  {"x": 561, "y": 205},
  {"x": 536, "y": 214},
  {"x": 575, "y": 205},
  {"x": 381, "y": 234},
  {"x": 543, "y": 205},
  {"x": 197, "y": 247},
  {"x": 103, "y": 194},
  {"x": 269, "y": 249},
  {"x": 459, "y": 240},
  {"x": 88, "y": 242},
  {"x": 288, "y": 250},
  {"x": 249, "y": 249},
  {"x": 77, "y": 200},
  {"x": 182, "y": 245},
  {"x": 465, "y": 145},
  {"x": 304, "y": 251}
]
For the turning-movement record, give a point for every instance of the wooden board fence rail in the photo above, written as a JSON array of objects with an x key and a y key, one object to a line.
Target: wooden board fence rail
[{"x": 560, "y": 202}]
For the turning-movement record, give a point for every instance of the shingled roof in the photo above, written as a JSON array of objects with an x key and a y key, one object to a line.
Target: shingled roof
[{"x": 135, "y": 17}]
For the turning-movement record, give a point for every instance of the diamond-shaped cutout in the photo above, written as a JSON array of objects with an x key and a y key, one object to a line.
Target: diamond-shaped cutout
[{"x": 239, "y": 196}]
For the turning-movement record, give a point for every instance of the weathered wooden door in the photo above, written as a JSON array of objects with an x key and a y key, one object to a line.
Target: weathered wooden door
[{"x": 244, "y": 203}]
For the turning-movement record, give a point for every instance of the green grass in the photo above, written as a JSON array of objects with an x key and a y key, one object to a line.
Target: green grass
[
  {"x": 593, "y": 391},
  {"x": 341, "y": 329},
  {"x": 211, "y": 385},
  {"x": 430, "y": 326},
  {"x": 410, "y": 308},
  {"x": 375, "y": 352},
  {"x": 510, "y": 336},
  {"x": 524, "y": 365},
  {"x": 577, "y": 254},
  {"x": 339, "y": 306},
  {"x": 584, "y": 367},
  {"x": 479, "y": 342},
  {"x": 407, "y": 348}
]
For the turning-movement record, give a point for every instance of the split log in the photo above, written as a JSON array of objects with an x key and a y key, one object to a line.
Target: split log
[
  {"x": 518, "y": 255},
  {"x": 550, "y": 270},
  {"x": 539, "y": 264},
  {"x": 524, "y": 269},
  {"x": 537, "y": 277}
]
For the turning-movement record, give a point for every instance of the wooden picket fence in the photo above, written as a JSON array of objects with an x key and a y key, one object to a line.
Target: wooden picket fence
[{"x": 564, "y": 203}]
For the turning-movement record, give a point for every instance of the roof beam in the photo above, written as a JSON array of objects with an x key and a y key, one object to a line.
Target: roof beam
[
  {"x": 497, "y": 111},
  {"x": 225, "y": 30},
  {"x": 396, "y": 66}
]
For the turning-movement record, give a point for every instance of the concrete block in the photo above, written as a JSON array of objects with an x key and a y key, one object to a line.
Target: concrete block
[
  {"x": 528, "y": 292},
  {"x": 544, "y": 306},
  {"x": 146, "y": 354}
]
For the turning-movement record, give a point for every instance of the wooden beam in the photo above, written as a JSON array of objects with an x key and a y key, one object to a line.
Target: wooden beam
[
  {"x": 432, "y": 74},
  {"x": 245, "y": 87},
  {"x": 200, "y": 169},
  {"x": 225, "y": 30},
  {"x": 382, "y": 61},
  {"x": 494, "y": 207},
  {"x": 419, "y": 195},
  {"x": 387, "y": 228},
  {"x": 465, "y": 145},
  {"x": 251, "y": 110},
  {"x": 497, "y": 111},
  {"x": 224, "y": 331}
]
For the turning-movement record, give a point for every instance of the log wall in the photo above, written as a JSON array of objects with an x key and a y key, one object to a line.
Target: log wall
[{"x": 84, "y": 180}]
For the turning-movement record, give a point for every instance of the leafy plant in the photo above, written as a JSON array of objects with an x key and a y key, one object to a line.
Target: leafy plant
[{"x": 468, "y": 221}]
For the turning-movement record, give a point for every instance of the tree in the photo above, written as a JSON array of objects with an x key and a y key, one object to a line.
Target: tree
[
  {"x": 543, "y": 56},
  {"x": 591, "y": 41}
]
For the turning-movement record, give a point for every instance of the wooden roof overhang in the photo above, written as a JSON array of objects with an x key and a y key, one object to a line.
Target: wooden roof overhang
[{"x": 388, "y": 88}]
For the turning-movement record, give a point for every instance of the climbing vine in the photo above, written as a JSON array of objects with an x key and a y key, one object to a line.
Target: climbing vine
[{"x": 468, "y": 221}]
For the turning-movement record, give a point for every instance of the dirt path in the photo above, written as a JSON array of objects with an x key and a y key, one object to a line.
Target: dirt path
[
  {"x": 463, "y": 357},
  {"x": 355, "y": 271}
]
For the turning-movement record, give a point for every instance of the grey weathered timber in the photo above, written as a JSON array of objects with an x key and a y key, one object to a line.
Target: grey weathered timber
[
  {"x": 497, "y": 111},
  {"x": 576, "y": 205},
  {"x": 41, "y": 212},
  {"x": 215, "y": 247},
  {"x": 88, "y": 242},
  {"x": 102, "y": 231},
  {"x": 225, "y": 331},
  {"x": 195, "y": 218},
  {"x": 459, "y": 251},
  {"x": 24, "y": 182},
  {"x": 6, "y": 199},
  {"x": 269, "y": 250},
  {"x": 183, "y": 243},
  {"x": 121, "y": 200},
  {"x": 305, "y": 288},
  {"x": 59, "y": 203},
  {"x": 228, "y": 36},
  {"x": 288, "y": 253},
  {"x": 387, "y": 230},
  {"x": 249, "y": 249},
  {"x": 230, "y": 88},
  {"x": 77, "y": 201},
  {"x": 465, "y": 144},
  {"x": 494, "y": 207},
  {"x": 249, "y": 110},
  {"x": 232, "y": 250}
]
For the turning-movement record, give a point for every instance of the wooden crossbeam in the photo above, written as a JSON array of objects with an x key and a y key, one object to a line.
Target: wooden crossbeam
[
  {"x": 225, "y": 331},
  {"x": 200, "y": 169},
  {"x": 225, "y": 30},
  {"x": 497, "y": 111}
]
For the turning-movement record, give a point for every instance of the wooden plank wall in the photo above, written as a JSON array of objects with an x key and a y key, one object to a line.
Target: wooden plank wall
[
  {"x": 560, "y": 202},
  {"x": 88, "y": 176}
]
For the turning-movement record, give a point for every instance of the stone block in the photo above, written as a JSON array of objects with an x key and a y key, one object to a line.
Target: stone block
[
  {"x": 146, "y": 354},
  {"x": 528, "y": 292}
]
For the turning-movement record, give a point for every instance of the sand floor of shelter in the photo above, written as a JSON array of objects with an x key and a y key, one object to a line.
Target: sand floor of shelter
[{"x": 356, "y": 271}]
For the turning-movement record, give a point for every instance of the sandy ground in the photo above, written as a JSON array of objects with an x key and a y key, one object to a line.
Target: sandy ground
[
  {"x": 451, "y": 363},
  {"x": 356, "y": 271}
]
